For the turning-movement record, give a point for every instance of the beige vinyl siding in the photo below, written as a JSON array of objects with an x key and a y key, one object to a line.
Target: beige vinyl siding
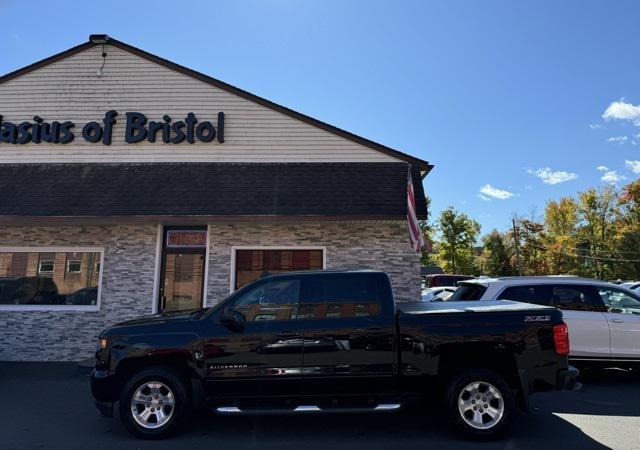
[{"x": 71, "y": 90}]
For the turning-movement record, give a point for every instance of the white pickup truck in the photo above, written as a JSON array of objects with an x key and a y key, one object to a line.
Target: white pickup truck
[{"x": 603, "y": 318}]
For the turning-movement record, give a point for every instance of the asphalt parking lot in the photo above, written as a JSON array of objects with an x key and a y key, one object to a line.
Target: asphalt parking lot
[{"x": 53, "y": 409}]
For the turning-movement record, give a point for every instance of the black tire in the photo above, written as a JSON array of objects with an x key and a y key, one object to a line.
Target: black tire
[
  {"x": 178, "y": 414},
  {"x": 505, "y": 403}
]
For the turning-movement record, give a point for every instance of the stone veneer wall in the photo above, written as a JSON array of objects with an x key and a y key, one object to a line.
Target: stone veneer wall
[
  {"x": 382, "y": 245},
  {"x": 127, "y": 290},
  {"x": 129, "y": 264}
]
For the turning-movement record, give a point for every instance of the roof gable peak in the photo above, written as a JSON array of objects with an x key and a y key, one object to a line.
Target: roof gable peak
[{"x": 104, "y": 39}]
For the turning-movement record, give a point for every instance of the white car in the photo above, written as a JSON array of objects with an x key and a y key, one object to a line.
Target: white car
[
  {"x": 633, "y": 285},
  {"x": 441, "y": 293},
  {"x": 603, "y": 318}
]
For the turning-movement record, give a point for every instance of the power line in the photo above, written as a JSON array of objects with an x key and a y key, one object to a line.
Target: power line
[
  {"x": 609, "y": 252},
  {"x": 573, "y": 255}
]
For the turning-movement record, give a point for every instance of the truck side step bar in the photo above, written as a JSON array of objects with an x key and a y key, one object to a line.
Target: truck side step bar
[{"x": 234, "y": 410}]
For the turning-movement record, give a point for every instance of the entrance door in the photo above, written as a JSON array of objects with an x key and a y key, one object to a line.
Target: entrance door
[{"x": 183, "y": 269}]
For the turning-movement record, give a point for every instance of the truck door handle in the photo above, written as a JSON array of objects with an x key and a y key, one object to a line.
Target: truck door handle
[{"x": 617, "y": 321}]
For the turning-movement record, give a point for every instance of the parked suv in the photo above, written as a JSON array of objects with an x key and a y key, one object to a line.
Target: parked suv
[{"x": 603, "y": 318}]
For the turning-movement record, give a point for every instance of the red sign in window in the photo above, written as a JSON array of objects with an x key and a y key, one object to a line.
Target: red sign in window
[{"x": 187, "y": 238}]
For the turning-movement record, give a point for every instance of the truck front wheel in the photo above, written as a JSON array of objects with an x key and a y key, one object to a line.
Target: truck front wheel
[
  {"x": 154, "y": 403},
  {"x": 480, "y": 403}
]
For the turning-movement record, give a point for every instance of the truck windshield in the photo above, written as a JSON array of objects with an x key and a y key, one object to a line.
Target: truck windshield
[{"x": 467, "y": 291}]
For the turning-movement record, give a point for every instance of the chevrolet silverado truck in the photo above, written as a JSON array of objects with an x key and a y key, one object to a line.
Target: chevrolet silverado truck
[{"x": 323, "y": 342}]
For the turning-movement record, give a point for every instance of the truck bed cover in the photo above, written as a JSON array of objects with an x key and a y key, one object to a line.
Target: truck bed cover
[{"x": 470, "y": 306}]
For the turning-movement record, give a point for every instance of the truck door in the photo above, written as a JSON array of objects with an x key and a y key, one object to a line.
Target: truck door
[
  {"x": 348, "y": 335},
  {"x": 260, "y": 353}
]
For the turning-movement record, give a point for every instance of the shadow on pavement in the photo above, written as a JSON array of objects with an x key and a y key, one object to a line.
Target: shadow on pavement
[
  {"x": 605, "y": 392},
  {"x": 54, "y": 409}
]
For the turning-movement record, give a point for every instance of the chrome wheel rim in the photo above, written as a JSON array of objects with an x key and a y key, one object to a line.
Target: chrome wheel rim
[
  {"x": 481, "y": 405},
  {"x": 152, "y": 404}
]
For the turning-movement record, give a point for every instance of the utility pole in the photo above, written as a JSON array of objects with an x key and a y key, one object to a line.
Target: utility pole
[{"x": 515, "y": 240}]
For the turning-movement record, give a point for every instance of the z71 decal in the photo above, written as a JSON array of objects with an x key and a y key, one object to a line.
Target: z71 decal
[{"x": 537, "y": 318}]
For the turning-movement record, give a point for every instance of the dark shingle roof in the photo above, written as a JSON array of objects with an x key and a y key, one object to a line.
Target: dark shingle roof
[{"x": 208, "y": 189}]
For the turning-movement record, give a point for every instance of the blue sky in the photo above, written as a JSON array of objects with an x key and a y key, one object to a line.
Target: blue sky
[{"x": 515, "y": 102}]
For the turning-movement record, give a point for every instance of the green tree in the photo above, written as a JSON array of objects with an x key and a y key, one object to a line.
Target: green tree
[
  {"x": 627, "y": 232},
  {"x": 458, "y": 234},
  {"x": 428, "y": 232},
  {"x": 497, "y": 254},
  {"x": 561, "y": 237},
  {"x": 531, "y": 243},
  {"x": 597, "y": 210}
]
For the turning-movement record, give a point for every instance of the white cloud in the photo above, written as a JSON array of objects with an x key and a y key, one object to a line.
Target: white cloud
[
  {"x": 610, "y": 176},
  {"x": 595, "y": 126},
  {"x": 484, "y": 197},
  {"x": 489, "y": 191},
  {"x": 622, "y": 110},
  {"x": 634, "y": 166},
  {"x": 618, "y": 139},
  {"x": 549, "y": 176}
]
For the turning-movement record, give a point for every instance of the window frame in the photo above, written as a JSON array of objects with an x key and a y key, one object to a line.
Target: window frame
[
  {"x": 631, "y": 294},
  {"x": 51, "y": 261},
  {"x": 162, "y": 250},
  {"x": 548, "y": 287},
  {"x": 231, "y": 301},
  {"x": 384, "y": 307},
  {"x": 234, "y": 249},
  {"x": 69, "y": 261},
  {"x": 67, "y": 249},
  {"x": 600, "y": 308}
]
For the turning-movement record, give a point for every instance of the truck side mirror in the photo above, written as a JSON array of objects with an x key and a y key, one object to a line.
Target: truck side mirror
[{"x": 233, "y": 319}]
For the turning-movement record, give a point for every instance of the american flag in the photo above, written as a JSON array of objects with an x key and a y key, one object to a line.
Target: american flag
[{"x": 415, "y": 234}]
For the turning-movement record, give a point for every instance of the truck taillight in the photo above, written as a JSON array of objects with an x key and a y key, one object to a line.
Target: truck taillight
[{"x": 561, "y": 339}]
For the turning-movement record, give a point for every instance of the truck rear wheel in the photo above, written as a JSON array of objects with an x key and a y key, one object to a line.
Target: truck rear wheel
[
  {"x": 154, "y": 403},
  {"x": 480, "y": 403}
]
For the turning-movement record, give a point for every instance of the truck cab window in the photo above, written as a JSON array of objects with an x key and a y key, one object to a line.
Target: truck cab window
[
  {"x": 343, "y": 296},
  {"x": 274, "y": 300}
]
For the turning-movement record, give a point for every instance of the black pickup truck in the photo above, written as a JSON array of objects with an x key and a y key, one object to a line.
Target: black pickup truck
[{"x": 330, "y": 342}]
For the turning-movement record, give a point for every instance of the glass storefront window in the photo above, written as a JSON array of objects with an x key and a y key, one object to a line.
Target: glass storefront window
[
  {"x": 49, "y": 278},
  {"x": 253, "y": 264}
]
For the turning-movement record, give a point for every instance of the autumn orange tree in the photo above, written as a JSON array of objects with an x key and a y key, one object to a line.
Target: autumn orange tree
[{"x": 596, "y": 234}]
